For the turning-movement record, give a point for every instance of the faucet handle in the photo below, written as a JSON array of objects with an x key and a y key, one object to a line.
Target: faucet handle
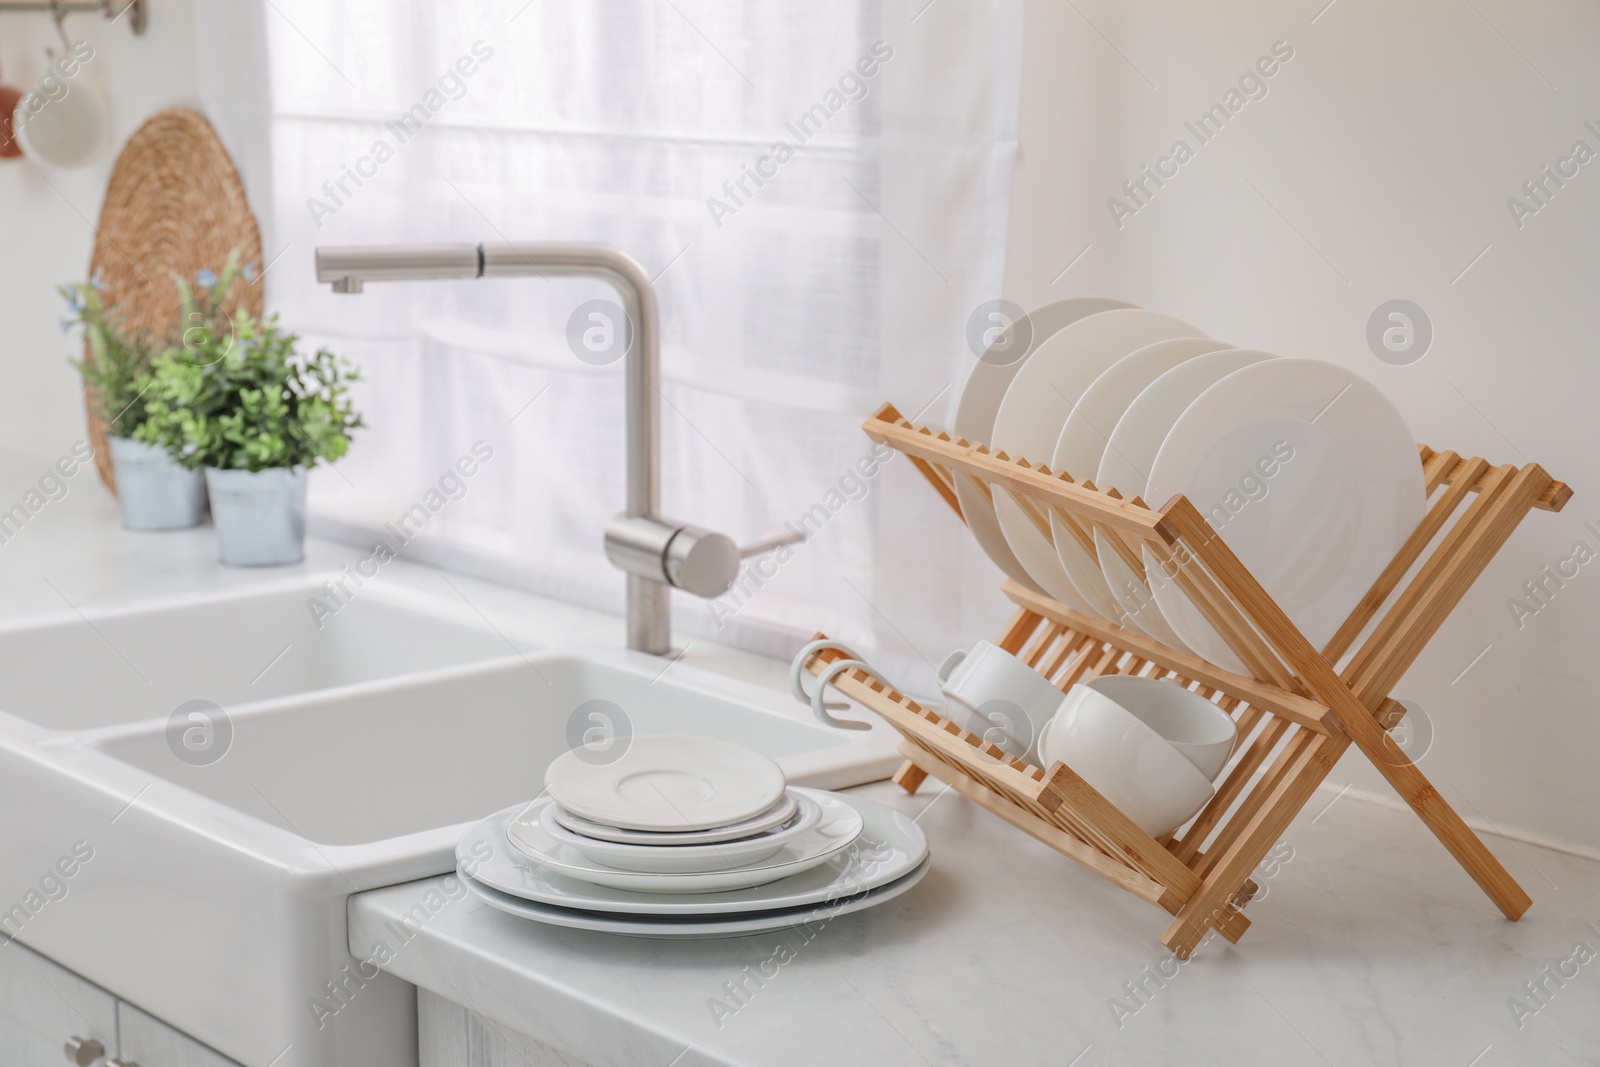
[
  {"x": 682, "y": 556},
  {"x": 757, "y": 548},
  {"x": 701, "y": 562},
  {"x": 83, "y": 1050}
]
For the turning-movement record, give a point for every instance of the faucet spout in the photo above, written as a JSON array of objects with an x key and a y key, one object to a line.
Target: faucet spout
[
  {"x": 657, "y": 555},
  {"x": 642, "y": 360}
]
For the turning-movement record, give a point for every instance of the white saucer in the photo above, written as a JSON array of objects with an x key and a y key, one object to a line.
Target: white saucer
[
  {"x": 890, "y": 845},
  {"x": 667, "y": 782},
  {"x": 676, "y": 927},
  {"x": 777, "y": 815},
  {"x": 839, "y": 826},
  {"x": 668, "y": 859}
]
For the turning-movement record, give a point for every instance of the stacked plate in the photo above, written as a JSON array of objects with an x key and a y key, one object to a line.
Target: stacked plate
[
  {"x": 1306, "y": 470},
  {"x": 687, "y": 837}
]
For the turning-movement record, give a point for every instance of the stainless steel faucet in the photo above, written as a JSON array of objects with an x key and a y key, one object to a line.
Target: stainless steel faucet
[{"x": 657, "y": 554}]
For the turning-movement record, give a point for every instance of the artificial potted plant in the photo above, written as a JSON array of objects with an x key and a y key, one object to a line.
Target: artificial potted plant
[
  {"x": 153, "y": 491},
  {"x": 243, "y": 406}
]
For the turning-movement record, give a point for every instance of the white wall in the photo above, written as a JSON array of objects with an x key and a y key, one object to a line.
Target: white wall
[
  {"x": 1391, "y": 142},
  {"x": 47, "y": 218}
]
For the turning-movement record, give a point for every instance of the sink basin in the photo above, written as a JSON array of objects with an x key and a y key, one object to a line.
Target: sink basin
[
  {"x": 359, "y": 751},
  {"x": 383, "y": 761},
  {"x": 81, "y": 671}
]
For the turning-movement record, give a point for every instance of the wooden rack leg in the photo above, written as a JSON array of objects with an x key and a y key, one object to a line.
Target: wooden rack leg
[
  {"x": 1412, "y": 785},
  {"x": 1315, "y": 756},
  {"x": 910, "y": 777}
]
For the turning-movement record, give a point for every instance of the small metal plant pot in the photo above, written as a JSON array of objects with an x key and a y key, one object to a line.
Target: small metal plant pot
[
  {"x": 260, "y": 515},
  {"x": 153, "y": 492}
]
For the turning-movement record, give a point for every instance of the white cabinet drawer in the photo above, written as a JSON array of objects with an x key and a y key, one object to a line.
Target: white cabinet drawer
[
  {"x": 20, "y": 1047},
  {"x": 46, "y": 1002},
  {"x": 451, "y": 1036},
  {"x": 149, "y": 1042}
]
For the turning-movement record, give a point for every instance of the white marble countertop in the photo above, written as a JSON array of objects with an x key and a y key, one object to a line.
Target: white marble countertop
[{"x": 1369, "y": 945}]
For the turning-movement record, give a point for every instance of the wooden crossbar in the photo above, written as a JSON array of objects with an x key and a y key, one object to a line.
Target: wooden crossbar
[
  {"x": 1265, "y": 695},
  {"x": 1553, "y": 497},
  {"x": 1035, "y": 483},
  {"x": 1296, "y": 713}
]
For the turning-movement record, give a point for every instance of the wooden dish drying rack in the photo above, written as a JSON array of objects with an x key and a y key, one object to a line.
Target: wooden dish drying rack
[{"x": 1296, "y": 713}]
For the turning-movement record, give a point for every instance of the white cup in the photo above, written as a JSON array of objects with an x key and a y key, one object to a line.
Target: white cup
[
  {"x": 1127, "y": 762},
  {"x": 66, "y": 132},
  {"x": 995, "y": 695}
]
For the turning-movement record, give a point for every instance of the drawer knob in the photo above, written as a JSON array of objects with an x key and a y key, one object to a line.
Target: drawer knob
[{"x": 83, "y": 1050}]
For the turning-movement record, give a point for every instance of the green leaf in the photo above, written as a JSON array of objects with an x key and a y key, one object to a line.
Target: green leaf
[{"x": 233, "y": 391}]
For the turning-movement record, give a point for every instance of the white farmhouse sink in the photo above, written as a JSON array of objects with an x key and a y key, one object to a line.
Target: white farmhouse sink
[
  {"x": 77, "y": 671},
  {"x": 215, "y": 898},
  {"x": 383, "y": 761}
]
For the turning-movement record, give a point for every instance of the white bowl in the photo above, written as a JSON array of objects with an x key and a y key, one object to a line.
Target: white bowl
[
  {"x": 1126, "y": 761},
  {"x": 1190, "y": 723}
]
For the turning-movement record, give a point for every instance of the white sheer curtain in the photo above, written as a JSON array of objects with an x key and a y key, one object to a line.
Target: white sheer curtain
[{"x": 791, "y": 306}]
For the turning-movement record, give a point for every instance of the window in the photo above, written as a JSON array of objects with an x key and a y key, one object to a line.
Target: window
[{"x": 819, "y": 189}]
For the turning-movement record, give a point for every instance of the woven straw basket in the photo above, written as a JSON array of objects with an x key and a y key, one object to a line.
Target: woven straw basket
[{"x": 173, "y": 206}]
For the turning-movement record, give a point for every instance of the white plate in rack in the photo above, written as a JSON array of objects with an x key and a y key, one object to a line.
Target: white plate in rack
[
  {"x": 980, "y": 401},
  {"x": 1083, "y": 442},
  {"x": 1132, "y": 452},
  {"x": 1036, "y": 406},
  {"x": 1310, "y": 476}
]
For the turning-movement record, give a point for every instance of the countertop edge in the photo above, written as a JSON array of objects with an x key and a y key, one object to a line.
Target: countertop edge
[{"x": 426, "y": 960}]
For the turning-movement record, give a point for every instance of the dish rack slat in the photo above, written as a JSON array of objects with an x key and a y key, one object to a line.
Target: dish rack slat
[{"x": 1297, "y": 711}]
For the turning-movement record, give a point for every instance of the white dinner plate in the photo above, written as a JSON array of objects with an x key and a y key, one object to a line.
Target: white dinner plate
[
  {"x": 697, "y": 927},
  {"x": 1082, "y": 444},
  {"x": 839, "y": 826},
  {"x": 1309, "y": 475},
  {"x": 980, "y": 401},
  {"x": 669, "y": 859},
  {"x": 1130, "y": 455},
  {"x": 777, "y": 815},
  {"x": 1036, "y": 406},
  {"x": 890, "y": 845},
  {"x": 667, "y": 782}
]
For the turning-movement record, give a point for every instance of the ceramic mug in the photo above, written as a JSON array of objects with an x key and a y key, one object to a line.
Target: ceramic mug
[
  {"x": 998, "y": 697},
  {"x": 62, "y": 131},
  {"x": 10, "y": 97}
]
